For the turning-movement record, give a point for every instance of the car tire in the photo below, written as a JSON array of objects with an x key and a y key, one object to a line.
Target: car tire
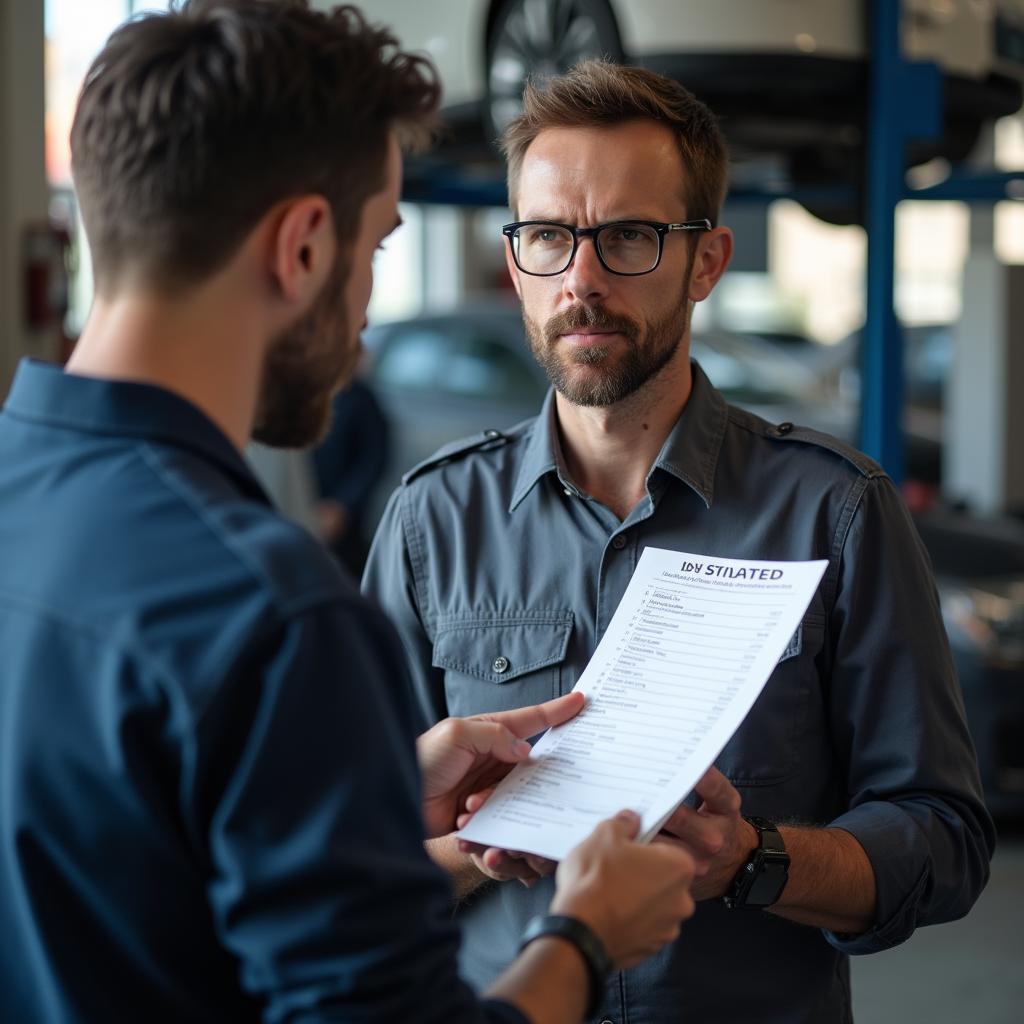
[{"x": 538, "y": 39}]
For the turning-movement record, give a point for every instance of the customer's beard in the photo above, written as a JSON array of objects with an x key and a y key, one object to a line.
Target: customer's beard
[
  {"x": 649, "y": 348},
  {"x": 303, "y": 368}
]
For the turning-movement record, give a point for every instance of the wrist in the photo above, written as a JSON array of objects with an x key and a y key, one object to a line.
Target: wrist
[
  {"x": 747, "y": 842},
  {"x": 577, "y": 905},
  {"x": 590, "y": 949}
]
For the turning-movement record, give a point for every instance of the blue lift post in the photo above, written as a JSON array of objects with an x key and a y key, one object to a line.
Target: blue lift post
[{"x": 904, "y": 102}]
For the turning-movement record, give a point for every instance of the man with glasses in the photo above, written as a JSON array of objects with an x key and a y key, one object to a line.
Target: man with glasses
[{"x": 856, "y": 814}]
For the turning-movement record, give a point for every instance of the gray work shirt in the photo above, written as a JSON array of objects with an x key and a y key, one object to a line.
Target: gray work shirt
[{"x": 502, "y": 577}]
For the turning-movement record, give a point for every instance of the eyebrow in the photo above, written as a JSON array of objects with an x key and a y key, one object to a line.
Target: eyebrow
[{"x": 611, "y": 220}]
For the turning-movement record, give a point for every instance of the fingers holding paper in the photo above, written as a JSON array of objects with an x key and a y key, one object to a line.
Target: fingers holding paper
[
  {"x": 714, "y": 833},
  {"x": 634, "y": 896},
  {"x": 506, "y": 865},
  {"x": 497, "y": 864},
  {"x": 463, "y": 756}
]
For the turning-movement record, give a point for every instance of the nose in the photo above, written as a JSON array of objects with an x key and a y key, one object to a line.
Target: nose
[{"x": 585, "y": 279}]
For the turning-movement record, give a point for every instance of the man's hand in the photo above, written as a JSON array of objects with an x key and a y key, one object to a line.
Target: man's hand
[
  {"x": 497, "y": 864},
  {"x": 714, "y": 833},
  {"x": 462, "y": 757},
  {"x": 634, "y": 897},
  {"x": 504, "y": 865}
]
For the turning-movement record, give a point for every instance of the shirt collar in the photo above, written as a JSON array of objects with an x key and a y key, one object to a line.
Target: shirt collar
[
  {"x": 44, "y": 393},
  {"x": 539, "y": 456},
  {"x": 690, "y": 452}
]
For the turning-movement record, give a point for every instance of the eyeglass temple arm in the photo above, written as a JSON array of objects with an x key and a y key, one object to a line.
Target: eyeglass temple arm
[{"x": 695, "y": 225}]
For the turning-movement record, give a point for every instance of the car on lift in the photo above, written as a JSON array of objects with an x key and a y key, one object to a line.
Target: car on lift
[
  {"x": 788, "y": 78},
  {"x": 455, "y": 373}
]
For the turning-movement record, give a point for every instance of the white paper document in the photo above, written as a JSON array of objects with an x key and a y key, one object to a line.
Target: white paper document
[{"x": 685, "y": 656}]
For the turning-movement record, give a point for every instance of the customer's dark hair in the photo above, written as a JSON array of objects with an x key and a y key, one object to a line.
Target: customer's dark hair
[
  {"x": 597, "y": 93},
  {"x": 192, "y": 124}
]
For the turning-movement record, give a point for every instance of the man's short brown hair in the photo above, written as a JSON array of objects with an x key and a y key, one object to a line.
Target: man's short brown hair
[
  {"x": 597, "y": 93},
  {"x": 191, "y": 125}
]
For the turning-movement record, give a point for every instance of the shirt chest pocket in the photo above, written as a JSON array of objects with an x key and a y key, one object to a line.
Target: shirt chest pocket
[{"x": 499, "y": 663}]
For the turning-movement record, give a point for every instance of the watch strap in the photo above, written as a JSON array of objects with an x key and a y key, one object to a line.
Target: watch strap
[
  {"x": 768, "y": 835},
  {"x": 587, "y": 943}
]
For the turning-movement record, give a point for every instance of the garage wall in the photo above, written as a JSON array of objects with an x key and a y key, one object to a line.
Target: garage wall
[{"x": 23, "y": 191}]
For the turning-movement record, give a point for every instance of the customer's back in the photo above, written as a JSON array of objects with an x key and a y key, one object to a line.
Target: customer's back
[{"x": 141, "y": 577}]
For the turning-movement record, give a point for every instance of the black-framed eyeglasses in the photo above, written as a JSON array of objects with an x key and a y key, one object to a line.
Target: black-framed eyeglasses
[{"x": 629, "y": 247}]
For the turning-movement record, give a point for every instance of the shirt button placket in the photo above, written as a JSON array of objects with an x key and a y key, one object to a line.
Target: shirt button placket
[{"x": 612, "y": 581}]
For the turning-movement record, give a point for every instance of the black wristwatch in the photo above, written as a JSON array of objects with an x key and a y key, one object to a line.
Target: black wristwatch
[
  {"x": 759, "y": 883},
  {"x": 590, "y": 947}
]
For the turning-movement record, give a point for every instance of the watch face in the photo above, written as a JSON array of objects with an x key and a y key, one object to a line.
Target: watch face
[
  {"x": 771, "y": 873},
  {"x": 759, "y": 883}
]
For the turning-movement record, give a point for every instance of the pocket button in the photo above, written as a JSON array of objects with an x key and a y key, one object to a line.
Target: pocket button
[{"x": 500, "y": 664}]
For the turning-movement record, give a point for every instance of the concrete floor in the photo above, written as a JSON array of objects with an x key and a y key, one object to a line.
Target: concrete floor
[{"x": 968, "y": 972}]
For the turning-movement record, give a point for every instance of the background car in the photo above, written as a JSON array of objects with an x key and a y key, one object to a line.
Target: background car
[
  {"x": 448, "y": 375},
  {"x": 443, "y": 376},
  {"x": 788, "y": 78},
  {"x": 927, "y": 362}
]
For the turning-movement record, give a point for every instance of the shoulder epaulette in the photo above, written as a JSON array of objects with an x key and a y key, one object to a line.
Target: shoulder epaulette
[
  {"x": 486, "y": 440},
  {"x": 790, "y": 432}
]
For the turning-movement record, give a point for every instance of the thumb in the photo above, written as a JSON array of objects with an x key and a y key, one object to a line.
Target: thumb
[
  {"x": 494, "y": 739},
  {"x": 476, "y": 800},
  {"x": 625, "y": 824}
]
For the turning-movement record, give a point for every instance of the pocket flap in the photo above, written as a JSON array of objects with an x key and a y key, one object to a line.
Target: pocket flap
[{"x": 499, "y": 650}]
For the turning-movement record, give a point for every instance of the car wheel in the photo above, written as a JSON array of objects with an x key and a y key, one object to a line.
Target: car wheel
[{"x": 538, "y": 39}]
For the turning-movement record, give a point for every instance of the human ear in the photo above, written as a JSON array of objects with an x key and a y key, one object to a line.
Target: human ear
[
  {"x": 302, "y": 248},
  {"x": 711, "y": 257},
  {"x": 513, "y": 270}
]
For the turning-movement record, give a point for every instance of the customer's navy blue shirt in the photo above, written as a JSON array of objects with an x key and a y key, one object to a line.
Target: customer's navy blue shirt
[{"x": 209, "y": 803}]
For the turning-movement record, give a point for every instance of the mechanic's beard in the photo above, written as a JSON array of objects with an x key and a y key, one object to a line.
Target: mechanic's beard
[
  {"x": 304, "y": 366},
  {"x": 649, "y": 347}
]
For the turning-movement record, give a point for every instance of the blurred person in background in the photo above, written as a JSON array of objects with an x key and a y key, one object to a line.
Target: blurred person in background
[{"x": 348, "y": 464}]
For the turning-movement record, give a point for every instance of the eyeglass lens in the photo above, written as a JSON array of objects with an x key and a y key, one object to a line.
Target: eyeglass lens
[{"x": 625, "y": 248}]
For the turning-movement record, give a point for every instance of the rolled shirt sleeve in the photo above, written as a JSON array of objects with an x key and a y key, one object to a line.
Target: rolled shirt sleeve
[{"x": 898, "y": 724}]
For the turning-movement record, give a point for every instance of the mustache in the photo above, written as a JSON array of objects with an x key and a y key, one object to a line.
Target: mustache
[{"x": 575, "y": 317}]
